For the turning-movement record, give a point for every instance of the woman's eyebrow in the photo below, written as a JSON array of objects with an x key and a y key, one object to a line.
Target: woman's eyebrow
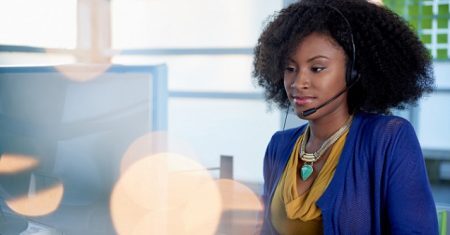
[
  {"x": 317, "y": 57},
  {"x": 291, "y": 60}
]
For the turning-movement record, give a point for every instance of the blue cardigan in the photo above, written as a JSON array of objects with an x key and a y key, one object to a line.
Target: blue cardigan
[{"x": 380, "y": 185}]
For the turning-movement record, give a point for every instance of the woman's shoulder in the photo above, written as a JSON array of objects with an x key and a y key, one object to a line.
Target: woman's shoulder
[
  {"x": 283, "y": 139},
  {"x": 288, "y": 135},
  {"x": 382, "y": 140},
  {"x": 382, "y": 123},
  {"x": 279, "y": 148},
  {"x": 378, "y": 131}
]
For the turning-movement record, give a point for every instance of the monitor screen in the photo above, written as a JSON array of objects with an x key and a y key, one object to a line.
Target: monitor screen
[{"x": 64, "y": 130}]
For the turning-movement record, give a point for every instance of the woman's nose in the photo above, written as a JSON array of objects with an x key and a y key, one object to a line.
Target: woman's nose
[{"x": 300, "y": 81}]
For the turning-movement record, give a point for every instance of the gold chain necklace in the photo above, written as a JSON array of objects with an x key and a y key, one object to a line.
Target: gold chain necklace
[{"x": 310, "y": 158}]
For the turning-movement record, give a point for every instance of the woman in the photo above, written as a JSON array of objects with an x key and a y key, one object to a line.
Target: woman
[{"x": 342, "y": 65}]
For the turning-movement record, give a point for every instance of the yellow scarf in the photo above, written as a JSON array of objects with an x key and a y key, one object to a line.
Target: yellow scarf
[{"x": 292, "y": 213}]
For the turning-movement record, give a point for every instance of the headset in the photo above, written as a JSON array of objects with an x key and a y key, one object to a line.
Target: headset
[{"x": 351, "y": 74}]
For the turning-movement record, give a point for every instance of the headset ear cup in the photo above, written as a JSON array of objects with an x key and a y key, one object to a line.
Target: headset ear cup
[
  {"x": 352, "y": 78},
  {"x": 355, "y": 75},
  {"x": 349, "y": 74}
]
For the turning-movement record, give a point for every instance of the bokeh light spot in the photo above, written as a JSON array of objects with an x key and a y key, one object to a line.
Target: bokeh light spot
[
  {"x": 242, "y": 208},
  {"x": 154, "y": 143},
  {"x": 165, "y": 193},
  {"x": 14, "y": 163},
  {"x": 38, "y": 203},
  {"x": 82, "y": 72}
]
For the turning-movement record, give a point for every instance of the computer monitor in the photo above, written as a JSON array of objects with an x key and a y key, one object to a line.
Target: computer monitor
[{"x": 75, "y": 132}]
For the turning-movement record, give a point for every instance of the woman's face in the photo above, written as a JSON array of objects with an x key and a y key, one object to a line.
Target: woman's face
[{"x": 315, "y": 73}]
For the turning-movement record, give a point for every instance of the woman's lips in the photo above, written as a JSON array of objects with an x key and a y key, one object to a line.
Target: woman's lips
[{"x": 303, "y": 100}]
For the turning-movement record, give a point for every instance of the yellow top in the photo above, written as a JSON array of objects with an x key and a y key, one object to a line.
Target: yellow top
[{"x": 298, "y": 214}]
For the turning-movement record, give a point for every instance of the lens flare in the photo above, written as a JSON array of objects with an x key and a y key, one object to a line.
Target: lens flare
[
  {"x": 241, "y": 208},
  {"x": 14, "y": 163},
  {"x": 154, "y": 143},
  {"x": 165, "y": 193}
]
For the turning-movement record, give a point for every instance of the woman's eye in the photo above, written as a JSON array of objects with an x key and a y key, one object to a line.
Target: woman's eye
[
  {"x": 317, "y": 69},
  {"x": 290, "y": 69}
]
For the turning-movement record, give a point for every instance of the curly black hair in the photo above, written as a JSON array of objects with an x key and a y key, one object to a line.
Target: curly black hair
[{"x": 395, "y": 68}]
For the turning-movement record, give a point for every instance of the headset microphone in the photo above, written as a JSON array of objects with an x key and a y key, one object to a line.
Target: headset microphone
[{"x": 313, "y": 110}]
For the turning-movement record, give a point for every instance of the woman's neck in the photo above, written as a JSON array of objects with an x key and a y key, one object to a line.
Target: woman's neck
[{"x": 324, "y": 127}]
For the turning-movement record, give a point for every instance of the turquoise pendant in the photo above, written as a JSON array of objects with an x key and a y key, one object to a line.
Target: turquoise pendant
[{"x": 306, "y": 171}]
